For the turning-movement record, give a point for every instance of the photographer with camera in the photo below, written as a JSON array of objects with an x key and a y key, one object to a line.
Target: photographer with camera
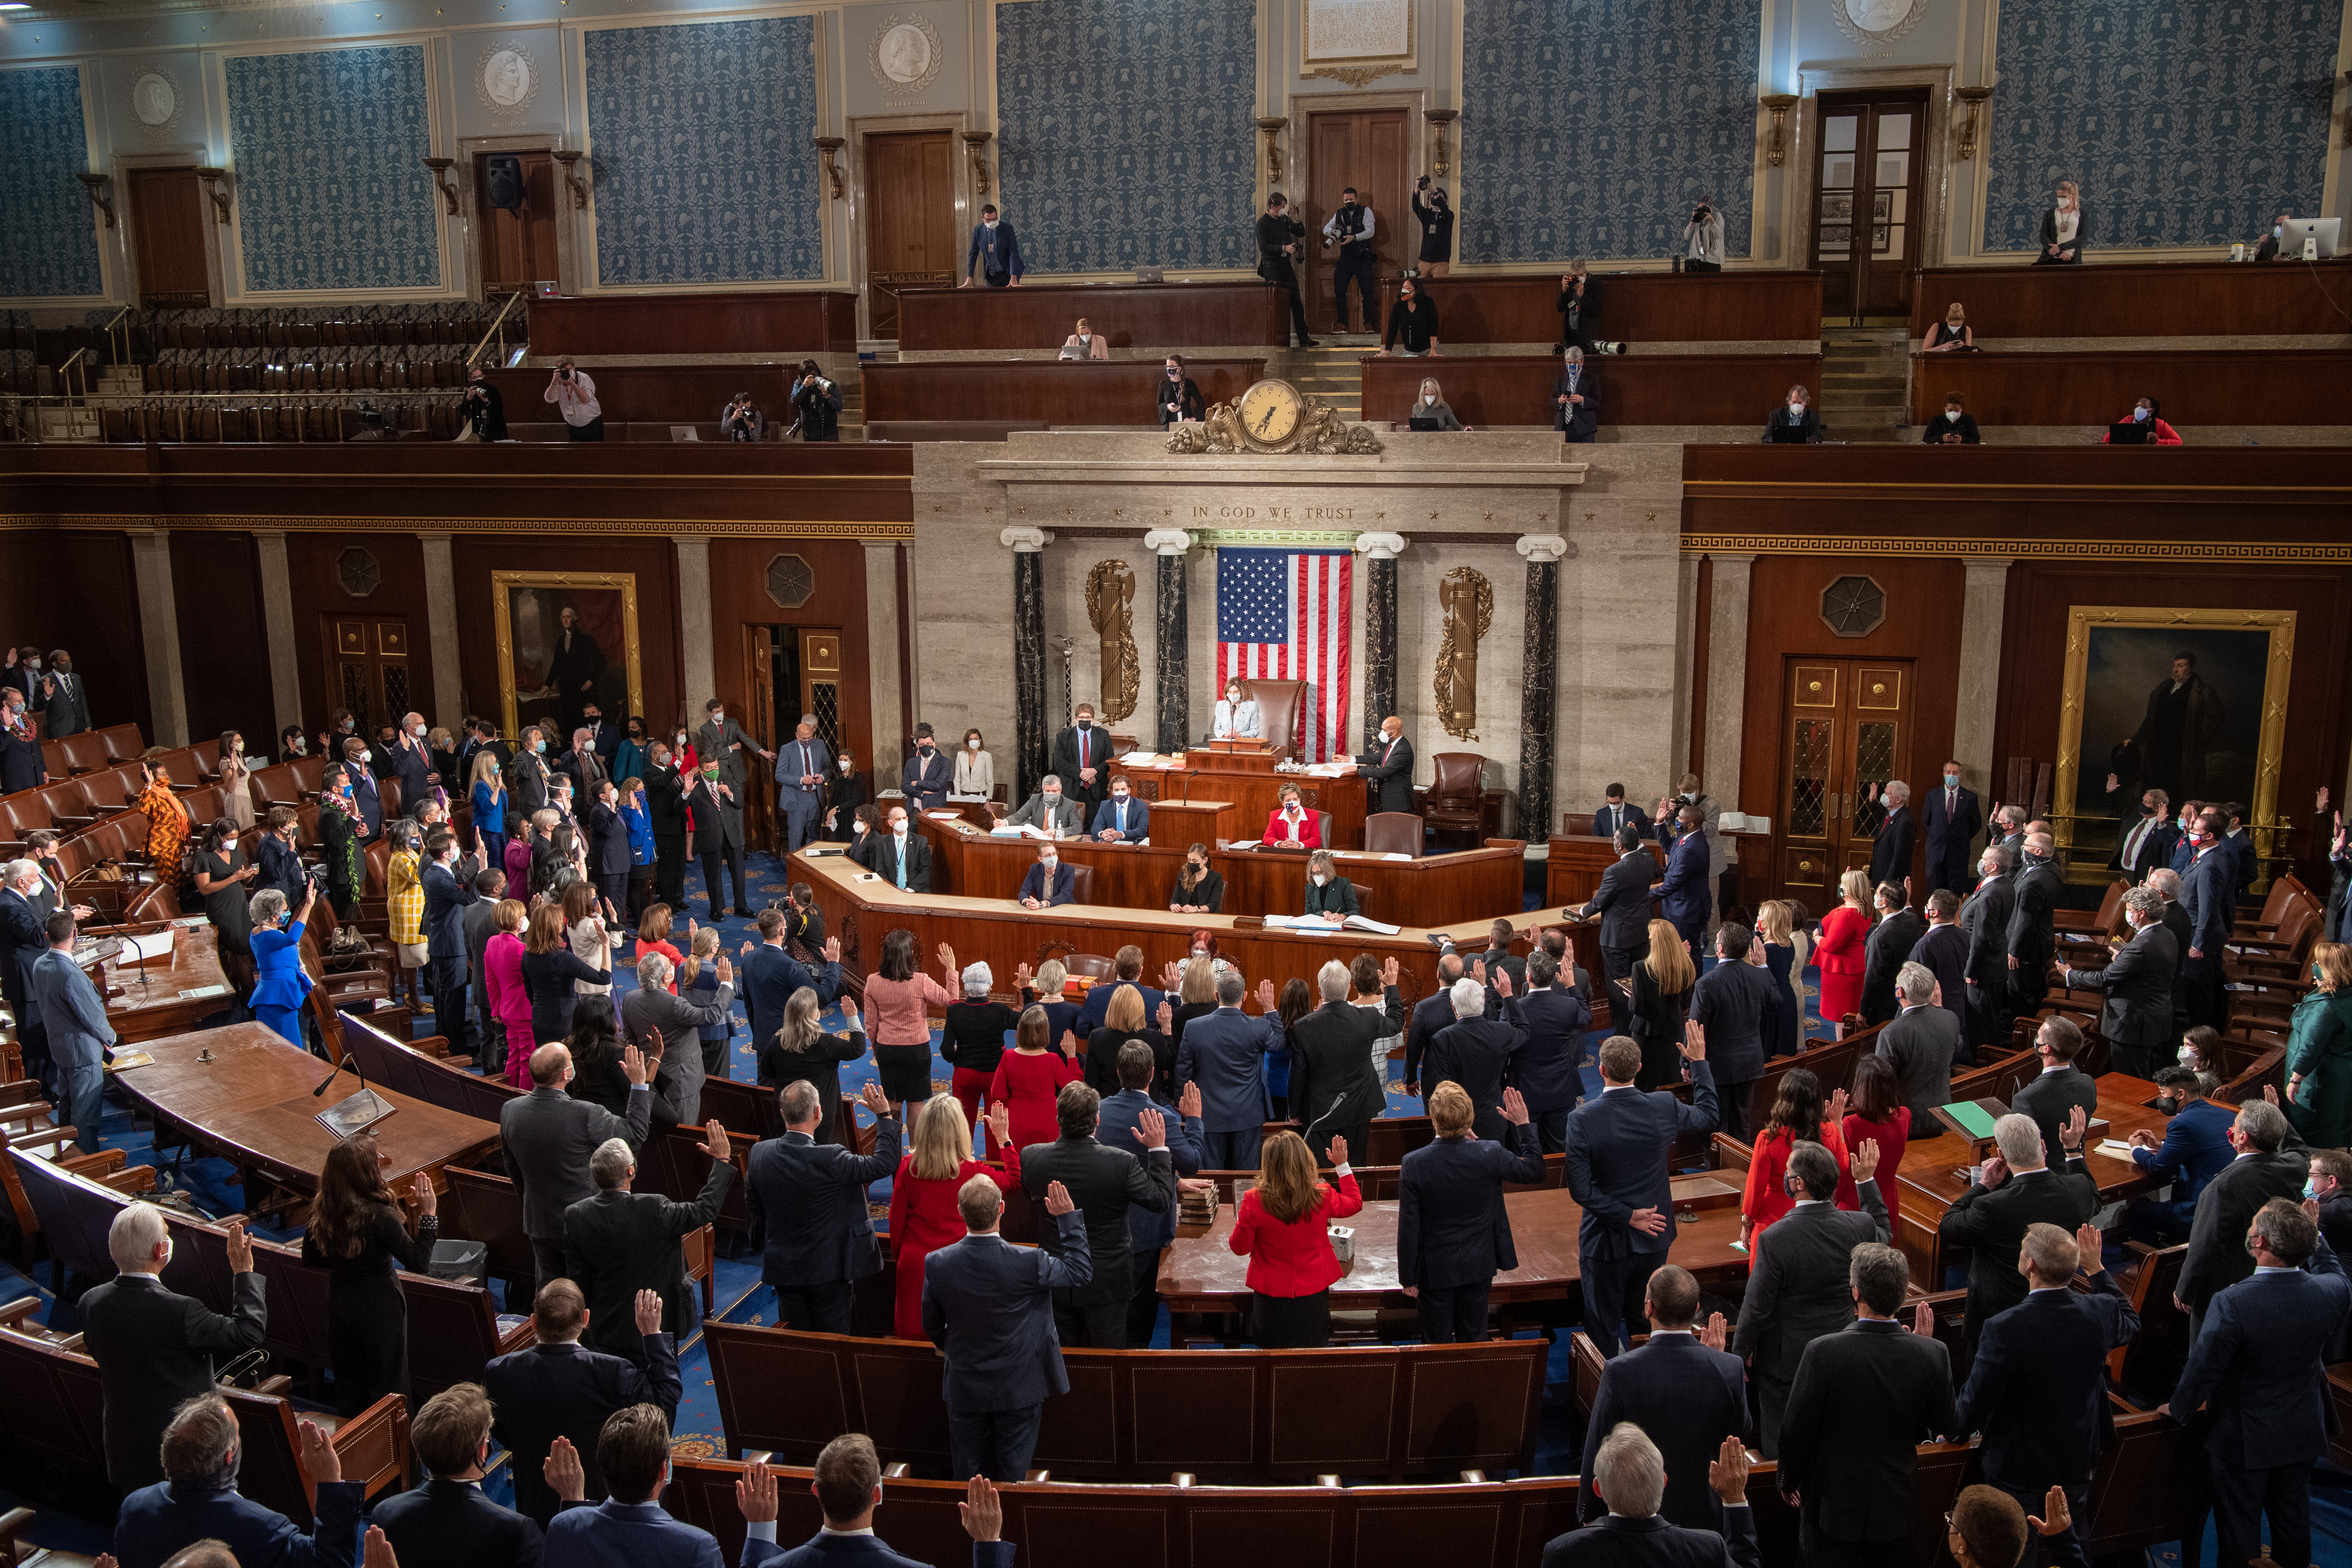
[
  {"x": 1414, "y": 318},
  {"x": 574, "y": 396},
  {"x": 1436, "y": 229},
  {"x": 1278, "y": 235},
  {"x": 1351, "y": 228},
  {"x": 741, "y": 420},
  {"x": 1578, "y": 307},
  {"x": 1575, "y": 399},
  {"x": 818, "y": 398},
  {"x": 1179, "y": 396},
  {"x": 483, "y": 408},
  {"x": 1702, "y": 237}
]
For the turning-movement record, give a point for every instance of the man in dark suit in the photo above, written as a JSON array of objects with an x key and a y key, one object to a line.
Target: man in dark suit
[
  {"x": 1617, "y": 1170},
  {"x": 367, "y": 800},
  {"x": 1890, "y": 853},
  {"x": 1953, "y": 821},
  {"x": 1546, "y": 1070},
  {"x": 1049, "y": 882},
  {"x": 1105, "y": 1184},
  {"x": 1430, "y": 1014},
  {"x": 2060, "y": 1089},
  {"x": 2146, "y": 838},
  {"x": 989, "y": 1306},
  {"x": 808, "y": 1210},
  {"x": 899, "y": 856},
  {"x": 24, "y": 937},
  {"x": 2038, "y": 1386},
  {"x": 1884, "y": 951},
  {"x": 1121, "y": 819},
  {"x": 197, "y": 1499},
  {"x": 1943, "y": 951},
  {"x": 549, "y": 1136},
  {"x": 1127, "y": 972},
  {"x": 2137, "y": 1018},
  {"x": 2256, "y": 1366},
  {"x": 1683, "y": 893},
  {"x": 448, "y": 888},
  {"x": 2016, "y": 1189},
  {"x": 412, "y": 764},
  {"x": 771, "y": 976},
  {"x": 666, "y": 815},
  {"x": 1150, "y": 1231},
  {"x": 1453, "y": 1234},
  {"x": 1389, "y": 765},
  {"x": 2032, "y": 930},
  {"x": 1617, "y": 812},
  {"x": 448, "y": 1521},
  {"x": 1921, "y": 1043},
  {"x": 475, "y": 925},
  {"x": 653, "y": 1017},
  {"x": 1864, "y": 1399},
  {"x": 1082, "y": 759},
  {"x": 1798, "y": 1287},
  {"x": 927, "y": 774},
  {"x": 1333, "y": 1091},
  {"x": 1224, "y": 1056},
  {"x": 560, "y": 1388},
  {"x": 717, "y": 836},
  {"x": 1622, "y": 903},
  {"x": 2208, "y": 898},
  {"x": 1683, "y": 1389},
  {"x": 1984, "y": 921},
  {"x": 64, "y": 699},
  {"x": 1475, "y": 1052},
  {"x": 2165, "y": 883},
  {"x": 154, "y": 1347},
  {"x": 1729, "y": 1001},
  {"x": 1629, "y": 1475},
  {"x": 621, "y": 1242},
  {"x": 1576, "y": 398},
  {"x": 2272, "y": 1163}
]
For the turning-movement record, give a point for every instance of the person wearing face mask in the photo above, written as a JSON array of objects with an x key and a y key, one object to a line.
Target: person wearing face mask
[
  {"x": 1122, "y": 819},
  {"x": 404, "y": 902},
  {"x": 628, "y": 758},
  {"x": 281, "y": 984},
  {"x": 1387, "y": 766},
  {"x": 1237, "y": 717},
  {"x": 573, "y": 393},
  {"x": 1351, "y": 227},
  {"x": 21, "y": 767},
  {"x": 17, "y": 671},
  {"x": 717, "y": 827},
  {"x": 1576, "y": 398},
  {"x": 1413, "y": 318},
  {"x": 804, "y": 768},
  {"x": 1703, "y": 239},
  {"x": 528, "y": 779},
  {"x": 1795, "y": 423},
  {"x": 1050, "y": 811},
  {"x": 483, "y": 407},
  {"x": 925, "y": 777},
  {"x": 1179, "y": 396},
  {"x": 2032, "y": 926},
  {"x": 224, "y": 877},
  {"x": 2142, "y": 427},
  {"x": 1328, "y": 894},
  {"x": 1048, "y": 882},
  {"x": 412, "y": 764},
  {"x": 293, "y": 745},
  {"x": 1436, "y": 218},
  {"x": 2268, "y": 251},
  {"x": 1278, "y": 235},
  {"x": 2064, "y": 227},
  {"x": 64, "y": 701},
  {"x": 1951, "y": 335},
  {"x": 2318, "y": 1099},
  {"x": 2195, "y": 1148},
  {"x": 818, "y": 397},
  {"x": 1956, "y": 426},
  {"x": 2207, "y": 899},
  {"x": 844, "y": 795},
  {"x": 1953, "y": 819},
  {"x": 1890, "y": 853},
  {"x": 665, "y": 796},
  {"x": 975, "y": 770},
  {"x": 1984, "y": 919},
  {"x": 1431, "y": 411},
  {"x": 1292, "y": 823},
  {"x": 1084, "y": 343},
  {"x": 900, "y": 856},
  {"x": 1082, "y": 755},
  {"x": 995, "y": 252},
  {"x": 1197, "y": 891},
  {"x": 2330, "y": 1186}
]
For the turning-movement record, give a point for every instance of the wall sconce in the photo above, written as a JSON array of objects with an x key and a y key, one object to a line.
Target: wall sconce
[
  {"x": 975, "y": 140},
  {"x": 579, "y": 189},
  {"x": 441, "y": 167},
  {"x": 826, "y": 146},
  {"x": 1438, "y": 119},
  {"x": 214, "y": 179},
  {"x": 91, "y": 184},
  {"x": 1777, "y": 151},
  {"x": 1974, "y": 97},
  {"x": 1273, "y": 125}
]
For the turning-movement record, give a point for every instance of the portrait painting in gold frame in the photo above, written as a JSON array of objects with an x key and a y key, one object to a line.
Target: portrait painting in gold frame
[{"x": 544, "y": 676}]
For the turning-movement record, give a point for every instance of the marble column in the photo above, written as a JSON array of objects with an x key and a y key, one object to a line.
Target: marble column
[
  {"x": 1982, "y": 612},
  {"x": 698, "y": 671},
  {"x": 888, "y": 684},
  {"x": 441, "y": 622},
  {"x": 1032, "y": 726},
  {"x": 1686, "y": 612},
  {"x": 1380, "y": 552},
  {"x": 1172, "y": 659},
  {"x": 1727, "y": 693},
  {"x": 159, "y": 630},
  {"x": 1539, "y": 689},
  {"x": 277, "y": 629}
]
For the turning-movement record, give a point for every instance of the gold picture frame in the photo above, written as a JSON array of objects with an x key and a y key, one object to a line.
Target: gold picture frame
[
  {"x": 2084, "y": 622},
  {"x": 576, "y": 587}
]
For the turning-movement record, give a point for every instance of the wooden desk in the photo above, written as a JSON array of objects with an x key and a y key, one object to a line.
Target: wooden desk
[
  {"x": 1635, "y": 307},
  {"x": 790, "y": 325},
  {"x": 1575, "y": 862},
  {"x": 2196, "y": 386},
  {"x": 1131, "y": 315},
  {"x": 2224, "y": 299},
  {"x": 155, "y": 1001},
  {"x": 656, "y": 394},
  {"x": 1249, "y": 781},
  {"x": 1097, "y": 392},
  {"x": 252, "y": 1104},
  {"x": 1662, "y": 389}
]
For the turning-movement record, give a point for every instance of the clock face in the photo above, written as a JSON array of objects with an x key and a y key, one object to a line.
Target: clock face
[{"x": 1269, "y": 413}]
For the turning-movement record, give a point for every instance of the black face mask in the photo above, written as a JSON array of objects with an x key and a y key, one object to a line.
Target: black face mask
[
  {"x": 1086, "y": 723},
  {"x": 2147, "y": 811}
]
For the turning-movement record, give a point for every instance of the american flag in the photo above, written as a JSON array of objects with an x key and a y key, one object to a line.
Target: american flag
[{"x": 1282, "y": 614}]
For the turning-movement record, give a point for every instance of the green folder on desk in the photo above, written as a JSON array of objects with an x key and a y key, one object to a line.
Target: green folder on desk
[{"x": 1972, "y": 1117}]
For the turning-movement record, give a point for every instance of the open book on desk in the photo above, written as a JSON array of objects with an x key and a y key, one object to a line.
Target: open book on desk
[{"x": 1318, "y": 924}]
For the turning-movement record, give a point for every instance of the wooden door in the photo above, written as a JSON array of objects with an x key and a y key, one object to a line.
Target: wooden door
[
  {"x": 1866, "y": 202},
  {"x": 517, "y": 248},
  {"x": 911, "y": 226},
  {"x": 368, "y": 670},
  {"x": 1846, "y": 731},
  {"x": 1370, "y": 149},
  {"x": 167, "y": 238},
  {"x": 762, "y": 823}
]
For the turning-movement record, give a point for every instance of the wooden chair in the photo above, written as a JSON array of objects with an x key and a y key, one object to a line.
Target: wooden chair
[
  {"x": 2151, "y": 1363},
  {"x": 1456, "y": 802},
  {"x": 483, "y": 1207},
  {"x": 2267, "y": 1069},
  {"x": 71, "y": 1208},
  {"x": 1393, "y": 833},
  {"x": 84, "y": 754}
]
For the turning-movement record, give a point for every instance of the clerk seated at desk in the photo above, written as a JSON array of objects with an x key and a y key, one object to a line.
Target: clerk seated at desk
[
  {"x": 1292, "y": 823},
  {"x": 1615, "y": 813},
  {"x": 1050, "y": 810},
  {"x": 1048, "y": 882},
  {"x": 1328, "y": 892},
  {"x": 1086, "y": 343},
  {"x": 1121, "y": 819},
  {"x": 1237, "y": 718},
  {"x": 1197, "y": 891}
]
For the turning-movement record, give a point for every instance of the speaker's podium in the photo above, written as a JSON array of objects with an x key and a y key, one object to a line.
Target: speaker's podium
[{"x": 1244, "y": 777}]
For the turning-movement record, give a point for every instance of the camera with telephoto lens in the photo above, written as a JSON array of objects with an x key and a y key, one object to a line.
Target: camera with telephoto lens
[
  {"x": 1600, "y": 347},
  {"x": 1423, "y": 183}
]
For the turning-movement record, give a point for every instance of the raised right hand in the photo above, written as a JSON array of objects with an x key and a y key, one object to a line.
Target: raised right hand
[
  {"x": 874, "y": 1099},
  {"x": 714, "y": 1143},
  {"x": 1515, "y": 1108},
  {"x": 1058, "y": 1200},
  {"x": 633, "y": 1066},
  {"x": 566, "y": 1478},
  {"x": 648, "y": 1312},
  {"x": 240, "y": 1248},
  {"x": 1694, "y": 1041}
]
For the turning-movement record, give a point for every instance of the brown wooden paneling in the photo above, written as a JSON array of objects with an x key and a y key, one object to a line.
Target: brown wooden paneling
[
  {"x": 314, "y": 567},
  {"x": 1516, "y": 389},
  {"x": 911, "y": 204},
  {"x": 677, "y": 394},
  {"x": 475, "y": 557},
  {"x": 518, "y": 247},
  {"x": 1131, "y": 315},
  {"x": 2200, "y": 387},
  {"x": 1635, "y": 307},
  {"x": 2224, "y": 299},
  {"x": 1117, "y": 391},
  {"x": 739, "y": 597},
  {"x": 805, "y": 321},
  {"x": 166, "y": 219},
  {"x": 1370, "y": 149},
  {"x": 216, "y": 583}
]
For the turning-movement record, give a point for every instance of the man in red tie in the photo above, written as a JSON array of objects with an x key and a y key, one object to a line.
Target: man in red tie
[
  {"x": 1389, "y": 766},
  {"x": 1082, "y": 756}
]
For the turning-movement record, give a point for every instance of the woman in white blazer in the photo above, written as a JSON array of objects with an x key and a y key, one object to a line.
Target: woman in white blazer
[
  {"x": 1237, "y": 717},
  {"x": 975, "y": 772}
]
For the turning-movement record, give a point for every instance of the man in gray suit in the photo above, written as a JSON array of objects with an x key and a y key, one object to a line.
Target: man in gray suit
[
  {"x": 669, "y": 1028},
  {"x": 1800, "y": 1287},
  {"x": 1050, "y": 810},
  {"x": 1919, "y": 1043},
  {"x": 803, "y": 765},
  {"x": 549, "y": 1138},
  {"x": 71, "y": 1010}
]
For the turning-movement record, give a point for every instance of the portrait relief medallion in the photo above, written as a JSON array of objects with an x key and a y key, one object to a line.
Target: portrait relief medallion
[
  {"x": 1873, "y": 21},
  {"x": 154, "y": 97},
  {"x": 506, "y": 78},
  {"x": 905, "y": 55}
]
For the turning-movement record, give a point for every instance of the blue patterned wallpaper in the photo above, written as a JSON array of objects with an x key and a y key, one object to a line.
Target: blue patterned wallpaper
[
  {"x": 328, "y": 191},
  {"x": 2185, "y": 121},
  {"x": 1590, "y": 126},
  {"x": 52, "y": 246},
  {"x": 705, "y": 172},
  {"x": 1127, "y": 133}
]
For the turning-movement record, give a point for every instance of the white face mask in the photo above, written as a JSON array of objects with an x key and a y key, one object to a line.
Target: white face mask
[
  {"x": 1953, "y": 415},
  {"x": 845, "y": 764},
  {"x": 2188, "y": 1057},
  {"x": 1887, "y": 801},
  {"x": 1049, "y": 862},
  {"x": 1320, "y": 880},
  {"x": 1427, "y": 398},
  {"x": 973, "y": 742},
  {"x": 899, "y": 827},
  {"x": 1796, "y": 406}
]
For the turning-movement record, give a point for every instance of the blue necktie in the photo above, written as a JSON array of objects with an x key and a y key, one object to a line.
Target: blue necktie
[{"x": 899, "y": 850}]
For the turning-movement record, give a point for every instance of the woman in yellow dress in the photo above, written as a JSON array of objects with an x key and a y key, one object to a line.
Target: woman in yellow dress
[{"x": 404, "y": 888}]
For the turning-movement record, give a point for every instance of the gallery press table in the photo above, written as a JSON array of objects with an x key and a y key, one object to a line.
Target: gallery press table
[
  {"x": 789, "y": 325},
  {"x": 1660, "y": 389},
  {"x": 2227, "y": 300},
  {"x": 252, "y": 1104},
  {"x": 1635, "y": 307},
  {"x": 1147, "y": 316},
  {"x": 1095, "y": 392},
  {"x": 1434, "y": 890},
  {"x": 166, "y": 997},
  {"x": 1250, "y": 781},
  {"x": 2096, "y": 387}
]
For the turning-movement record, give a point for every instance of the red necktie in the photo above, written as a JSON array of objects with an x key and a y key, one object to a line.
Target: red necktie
[{"x": 1082, "y": 748}]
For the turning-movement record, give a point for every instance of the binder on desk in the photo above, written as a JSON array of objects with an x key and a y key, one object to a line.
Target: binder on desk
[{"x": 1972, "y": 1118}]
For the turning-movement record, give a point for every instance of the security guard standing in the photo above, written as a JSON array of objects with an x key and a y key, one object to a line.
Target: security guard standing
[{"x": 1278, "y": 235}]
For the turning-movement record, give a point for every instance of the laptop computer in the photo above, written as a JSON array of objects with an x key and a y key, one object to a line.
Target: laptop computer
[
  {"x": 683, "y": 433},
  {"x": 1418, "y": 423},
  {"x": 2130, "y": 432},
  {"x": 1151, "y": 275}
]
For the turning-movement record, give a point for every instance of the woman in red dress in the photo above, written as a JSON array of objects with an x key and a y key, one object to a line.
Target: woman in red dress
[
  {"x": 1283, "y": 1227},
  {"x": 1879, "y": 1117},
  {"x": 1844, "y": 931},
  {"x": 923, "y": 1213},
  {"x": 1027, "y": 1078},
  {"x": 1797, "y": 1115}
]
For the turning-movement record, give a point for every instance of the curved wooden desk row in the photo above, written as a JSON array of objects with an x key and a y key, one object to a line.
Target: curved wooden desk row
[
  {"x": 1639, "y": 307},
  {"x": 1037, "y": 316},
  {"x": 149, "y": 1001}
]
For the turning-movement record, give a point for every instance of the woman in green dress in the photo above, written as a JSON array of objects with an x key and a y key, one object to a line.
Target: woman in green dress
[{"x": 2319, "y": 1052}]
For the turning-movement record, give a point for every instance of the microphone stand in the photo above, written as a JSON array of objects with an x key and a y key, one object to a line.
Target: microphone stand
[{"x": 367, "y": 1104}]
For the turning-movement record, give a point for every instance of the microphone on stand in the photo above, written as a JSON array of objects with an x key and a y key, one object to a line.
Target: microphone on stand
[{"x": 355, "y": 1113}]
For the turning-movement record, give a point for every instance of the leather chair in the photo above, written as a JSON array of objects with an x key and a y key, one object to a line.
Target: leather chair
[
  {"x": 1279, "y": 703},
  {"x": 1082, "y": 884},
  {"x": 1456, "y": 802},
  {"x": 1085, "y": 965},
  {"x": 1392, "y": 833}
]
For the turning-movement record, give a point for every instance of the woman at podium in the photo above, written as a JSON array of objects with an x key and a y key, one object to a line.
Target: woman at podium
[{"x": 1237, "y": 718}]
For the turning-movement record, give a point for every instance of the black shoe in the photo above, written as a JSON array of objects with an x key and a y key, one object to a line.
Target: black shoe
[
  {"x": 742, "y": 913},
  {"x": 1311, "y": 343}
]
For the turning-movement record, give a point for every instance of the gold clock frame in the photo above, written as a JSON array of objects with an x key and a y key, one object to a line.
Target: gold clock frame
[{"x": 1290, "y": 440}]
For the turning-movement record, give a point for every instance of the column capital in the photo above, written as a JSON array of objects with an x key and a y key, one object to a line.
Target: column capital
[
  {"x": 1168, "y": 541},
  {"x": 1732, "y": 557},
  {"x": 1023, "y": 540},
  {"x": 1542, "y": 549},
  {"x": 1381, "y": 546}
]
